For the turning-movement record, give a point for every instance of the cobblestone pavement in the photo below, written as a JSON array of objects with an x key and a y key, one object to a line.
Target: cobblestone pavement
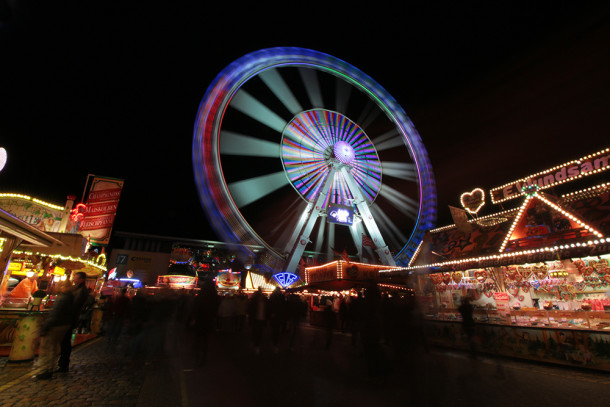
[
  {"x": 96, "y": 378},
  {"x": 306, "y": 375}
]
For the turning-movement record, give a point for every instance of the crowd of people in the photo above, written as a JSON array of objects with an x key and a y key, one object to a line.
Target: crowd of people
[
  {"x": 146, "y": 322},
  {"x": 141, "y": 326}
]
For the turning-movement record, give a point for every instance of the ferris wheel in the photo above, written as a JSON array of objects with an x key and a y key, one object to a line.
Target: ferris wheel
[{"x": 295, "y": 150}]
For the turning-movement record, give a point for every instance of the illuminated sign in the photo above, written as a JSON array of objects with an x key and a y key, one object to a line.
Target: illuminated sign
[
  {"x": 285, "y": 279},
  {"x": 16, "y": 266},
  {"x": 341, "y": 214},
  {"x": 177, "y": 281},
  {"x": 226, "y": 279},
  {"x": 473, "y": 201},
  {"x": 570, "y": 171}
]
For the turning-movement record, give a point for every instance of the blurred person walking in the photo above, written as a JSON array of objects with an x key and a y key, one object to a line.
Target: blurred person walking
[
  {"x": 116, "y": 313},
  {"x": 80, "y": 294},
  {"x": 54, "y": 328},
  {"x": 297, "y": 310},
  {"x": 372, "y": 331},
  {"x": 356, "y": 317},
  {"x": 257, "y": 316},
  {"x": 203, "y": 320},
  {"x": 277, "y": 316}
]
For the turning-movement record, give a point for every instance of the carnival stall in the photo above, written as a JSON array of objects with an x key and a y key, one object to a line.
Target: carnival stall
[
  {"x": 538, "y": 275},
  {"x": 326, "y": 284}
]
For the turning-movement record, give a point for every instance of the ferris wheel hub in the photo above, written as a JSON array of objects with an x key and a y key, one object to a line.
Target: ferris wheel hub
[{"x": 344, "y": 152}]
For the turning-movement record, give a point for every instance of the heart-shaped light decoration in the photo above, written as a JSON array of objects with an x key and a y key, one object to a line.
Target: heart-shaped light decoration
[{"x": 473, "y": 201}]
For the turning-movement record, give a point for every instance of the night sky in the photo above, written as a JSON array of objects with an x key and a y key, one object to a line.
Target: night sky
[{"x": 497, "y": 90}]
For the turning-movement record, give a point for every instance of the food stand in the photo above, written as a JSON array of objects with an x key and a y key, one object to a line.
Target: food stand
[
  {"x": 538, "y": 275},
  {"x": 335, "y": 278},
  {"x": 18, "y": 328}
]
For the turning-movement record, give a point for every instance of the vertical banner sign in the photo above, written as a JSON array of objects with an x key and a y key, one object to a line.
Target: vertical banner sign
[
  {"x": 502, "y": 300},
  {"x": 102, "y": 203}
]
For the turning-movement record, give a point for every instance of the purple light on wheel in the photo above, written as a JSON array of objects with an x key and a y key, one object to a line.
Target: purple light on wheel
[{"x": 344, "y": 152}]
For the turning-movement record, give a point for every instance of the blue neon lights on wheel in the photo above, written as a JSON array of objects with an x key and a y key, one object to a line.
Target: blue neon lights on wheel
[{"x": 252, "y": 182}]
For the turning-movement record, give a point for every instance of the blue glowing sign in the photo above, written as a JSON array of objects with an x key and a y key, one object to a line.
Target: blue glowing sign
[
  {"x": 285, "y": 279},
  {"x": 341, "y": 214}
]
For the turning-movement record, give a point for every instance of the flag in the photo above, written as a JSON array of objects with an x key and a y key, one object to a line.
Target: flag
[
  {"x": 336, "y": 252},
  {"x": 345, "y": 256},
  {"x": 461, "y": 219},
  {"x": 367, "y": 241}
]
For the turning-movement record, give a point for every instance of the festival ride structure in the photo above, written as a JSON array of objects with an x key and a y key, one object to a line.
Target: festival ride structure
[{"x": 285, "y": 136}]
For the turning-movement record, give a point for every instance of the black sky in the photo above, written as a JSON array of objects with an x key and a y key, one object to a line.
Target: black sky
[{"x": 497, "y": 90}]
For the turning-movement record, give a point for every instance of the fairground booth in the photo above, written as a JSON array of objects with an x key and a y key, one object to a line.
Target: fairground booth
[
  {"x": 538, "y": 275},
  {"x": 42, "y": 244},
  {"x": 325, "y": 283}
]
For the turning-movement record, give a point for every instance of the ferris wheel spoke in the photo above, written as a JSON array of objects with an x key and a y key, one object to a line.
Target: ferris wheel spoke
[
  {"x": 368, "y": 115},
  {"x": 239, "y": 144},
  {"x": 312, "y": 87},
  {"x": 248, "y": 105},
  {"x": 250, "y": 190},
  {"x": 400, "y": 201},
  {"x": 278, "y": 86},
  {"x": 385, "y": 223},
  {"x": 330, "y": 238},
  {"x": 343, "y": 91},
  {"x": 404, "y": 171},
  {"x": 388, "y": 140},
  {"x": 320, "y": 237},
  {"x": 284, "y": 228}
]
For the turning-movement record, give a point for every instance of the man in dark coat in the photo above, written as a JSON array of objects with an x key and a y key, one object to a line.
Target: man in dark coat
[{"x": 80, "y": 294}]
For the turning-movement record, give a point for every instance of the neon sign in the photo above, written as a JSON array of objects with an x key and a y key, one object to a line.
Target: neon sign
[
  {"x": 285, "y": 279},
  {"x": 78, "y": 213}
]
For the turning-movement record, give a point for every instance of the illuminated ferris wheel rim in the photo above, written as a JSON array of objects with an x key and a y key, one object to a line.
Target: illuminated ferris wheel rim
[{"x": 218, "y": 97}]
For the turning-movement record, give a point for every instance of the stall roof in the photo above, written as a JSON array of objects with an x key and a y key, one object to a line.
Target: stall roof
[
  {"x": 13, "y": 226},
  {"x": 332, "y": 285},
  {"x": 574, "y": 223}
]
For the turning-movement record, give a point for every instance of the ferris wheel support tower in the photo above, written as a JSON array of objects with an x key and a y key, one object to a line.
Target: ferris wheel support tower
[{"x": 315, "y": 209}]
